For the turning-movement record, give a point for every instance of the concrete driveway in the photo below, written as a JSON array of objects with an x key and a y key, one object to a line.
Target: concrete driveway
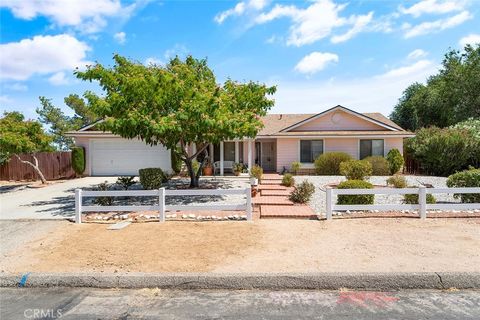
[{"x": 56, "y": 201}]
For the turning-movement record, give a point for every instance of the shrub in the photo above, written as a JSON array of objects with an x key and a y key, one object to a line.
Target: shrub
[
  {"x": 329, "y": 163},
  {"x": 356, "y": 169},
  {"x": 413, "y": 198},
  {"x": 395, "y": 160},
  {"x": 379, "y": 164},
  {"x": 355, "y": 198},
  {"x": 126, "y": 182},
  {"x": 302, "y": 192},
  {"x": 78, "y": 160},
  {"x": 288, "y": 180},
  {"x": 103, "y": 201},
  {"x": 256, "y": 172},
  {"x": 152, "y": 178},
  {"x": 237, "y": 168},
  {"x": 397, "y": 181},
  {"x": 176, "y": 162},
  {"x": 195, "y": 166},
  {"x": 465, "y": 179},
  {"x": 295, "y": 167}
]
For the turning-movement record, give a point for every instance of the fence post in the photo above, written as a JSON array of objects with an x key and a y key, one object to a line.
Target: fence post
[
  {"x": 161, "y": 204},
  {"x": 78, "y": 205},
  {"x": 329, "y": 203},
  {"x": 422, "y": 201},
  {"x": 248, "y": 193}
]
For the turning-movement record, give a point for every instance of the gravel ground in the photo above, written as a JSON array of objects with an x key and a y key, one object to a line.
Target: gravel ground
[{"x": 320, "y": 182}]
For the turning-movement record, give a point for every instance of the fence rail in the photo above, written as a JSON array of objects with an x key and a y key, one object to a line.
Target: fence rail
[
  {"x": 161, "y": 206},
  {"x": 422, "y": 205},
  {"x": 54, "y": 165}
]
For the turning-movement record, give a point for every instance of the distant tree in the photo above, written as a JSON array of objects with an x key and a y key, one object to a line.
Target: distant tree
[
  {"x": 18, "y": 135},
  {"x": 449, "y": 97},
  {"x": 176, "y": 105},
  {"x": 59, "y": 123}
]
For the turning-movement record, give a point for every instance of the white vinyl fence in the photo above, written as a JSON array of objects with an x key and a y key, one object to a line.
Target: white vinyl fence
[
  {"x": 422, "y": 205},
  {"x": 161, "y": 206}
]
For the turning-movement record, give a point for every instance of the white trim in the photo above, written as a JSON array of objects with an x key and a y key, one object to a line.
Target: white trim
[
  {"x": 322, "y": 136},
  {"x": 359, "y": 115},
  {"x": 90, "y": 125}
]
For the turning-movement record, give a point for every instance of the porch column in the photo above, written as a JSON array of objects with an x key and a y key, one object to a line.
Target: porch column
[
  {"x": 221, "y": 158},
  {"x": 249, "y": 142},
  {"x": 237, "y": 155},
  {"x": 210, "y": 153},
  {"x": 194, "y": 148}
]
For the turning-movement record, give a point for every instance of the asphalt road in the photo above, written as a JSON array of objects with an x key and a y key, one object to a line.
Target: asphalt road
[{"x": 63, "y": 303}]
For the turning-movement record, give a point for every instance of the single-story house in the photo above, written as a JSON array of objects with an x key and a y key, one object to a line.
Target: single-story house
[{"x": 284, "y": 139}]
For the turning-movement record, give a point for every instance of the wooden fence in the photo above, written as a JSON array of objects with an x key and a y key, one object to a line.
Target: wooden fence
[{"x": 54, "y": 165}]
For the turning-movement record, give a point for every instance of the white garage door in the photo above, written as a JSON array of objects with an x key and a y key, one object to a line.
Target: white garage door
[{"x": 124, "y": 157}]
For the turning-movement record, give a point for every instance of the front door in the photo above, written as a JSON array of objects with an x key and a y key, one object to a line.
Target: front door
[{"x": 268, "y": 156}]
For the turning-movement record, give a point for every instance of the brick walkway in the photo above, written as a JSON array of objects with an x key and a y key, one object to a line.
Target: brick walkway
[{"x": 272, "y": 200}]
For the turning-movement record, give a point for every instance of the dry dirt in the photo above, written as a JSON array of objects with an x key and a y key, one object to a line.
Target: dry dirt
[{"x": 356, "y": 245}]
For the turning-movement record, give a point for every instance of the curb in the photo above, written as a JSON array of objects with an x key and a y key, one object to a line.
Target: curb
[{"x": 243, "y": 281}]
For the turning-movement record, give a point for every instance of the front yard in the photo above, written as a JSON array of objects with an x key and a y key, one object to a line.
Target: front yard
[{"x": 347, "y": 245}]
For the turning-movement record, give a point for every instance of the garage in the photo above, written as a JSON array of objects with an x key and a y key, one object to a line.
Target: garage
[{"x": 118, "y": 156}]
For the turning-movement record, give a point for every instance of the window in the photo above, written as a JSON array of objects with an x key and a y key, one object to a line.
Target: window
[
  {"x": 371, "y": 148},
  {"x": 310, "y": 150}
]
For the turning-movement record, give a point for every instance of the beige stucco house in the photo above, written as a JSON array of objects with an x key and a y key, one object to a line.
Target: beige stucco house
[{"x": 284, "y": 139}]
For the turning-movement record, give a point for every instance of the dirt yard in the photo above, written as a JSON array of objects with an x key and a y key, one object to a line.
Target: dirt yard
[{"x": 355, "y": 245}]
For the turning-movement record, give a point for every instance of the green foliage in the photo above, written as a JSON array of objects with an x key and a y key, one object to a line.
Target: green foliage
[
  {"x": 195, "y": 166},
  {"x": 103, "y": 201},
  {"x": 356, "y": 169},
  {"x": 329, "y": 163},
  {"x": 355, "y": 198},
  {"x": 413, "y": 198},
  {"x": 176, "y": 161},
  {"x": 444, "y": 151},
  {"x": 18, "y": 135},
  {"x": 152, "y": 178},
  {"x": 449, "y": 97},
  {"x": 257, "y": 172},
  {"x": 179, "y": 103},
  {"x": 78, "y": 160},
  {"x": 295, "y": 167},
  {"x": 397, "y": 181},
  {"x": 379, "y": 164},
  {"x": 59, "y": 123},
  {"x": 237, "y": 168},
  {"x": 466, "y": 179},
  {"x": 126, "y": 182},
  {"x": 395, "y": 161},
  {"x": 471, "y": 125},
  {"x": 287, "y": 180},
  {"x": 302, "y": 192}
]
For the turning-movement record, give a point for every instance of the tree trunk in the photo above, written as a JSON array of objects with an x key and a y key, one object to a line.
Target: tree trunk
[
  {"x": 35, "y": 167},
  {"x": 195, "y": 176}
]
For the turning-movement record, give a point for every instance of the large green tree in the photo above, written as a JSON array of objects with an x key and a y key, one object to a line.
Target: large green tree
[
  {"x": 18, "y": 135},
  {"x": 59, "y": 123},
  {"x": 449, "y": 97},
  {"x": 178, "y": 104}
]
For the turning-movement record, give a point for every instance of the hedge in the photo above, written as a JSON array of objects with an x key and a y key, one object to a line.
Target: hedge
[
  {"x": 466, "y": 179},
  {"x": 329, "y": 163},
  {"x": 78, "y": 160},
  {"x": 354, "y": 198},
  {"x": 152, "y": 178}
]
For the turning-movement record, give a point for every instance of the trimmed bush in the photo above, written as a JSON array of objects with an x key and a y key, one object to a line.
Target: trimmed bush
[
  {"x": 413, "y": 198},
  {"x": 176, "y": 162},
  {"x": 78, "y": 160},
  {"x": 257, "y": 172},
  {"x": 328, "y": 164},
  {"x": 152, "y": 178},
  {"x": 466, "y": 179},
  {"x": 302, "y": 192},
  {"x": 395, "y": 161},
  {"x": 379, "y": 164},
  {"x": 295, "y": 167},
  {"x": 356, "y": 169},
  {"x": 355, "y": 198},
  {"x": 397, "y": 181},
  {"x": 288, "y": 180}
]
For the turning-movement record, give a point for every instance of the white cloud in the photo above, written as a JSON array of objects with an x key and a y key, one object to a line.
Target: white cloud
[
  {"x": 87, "y": 16},
  {"x": 437, "y": 25},
  {"x": 16, "y": 87},
  {"x": 58, "y": 79},
  {"x": 315, "y": 62},
  {"x": 120, "y": 37},
  {"x": 316, "y": 21},
  {"x": 42, "y": 55},
  {"x": 377, "y": 93},
  {"x": 240, "y": 8},
  {"x": 470, "y": 39},
  {"x": 417, "y": 54},
  {"x": 5, "y": 99},
  {"x": 433, "y": 7}
]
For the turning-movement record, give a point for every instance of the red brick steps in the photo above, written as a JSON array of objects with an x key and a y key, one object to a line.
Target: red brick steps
[
  {"x": 296, "y": 211},
  {"x": 270, "y": 182},
  {"x": 272, "y": 200},
  {"x": 278, "y": 192},
  {"x": 271, "y": 187}
]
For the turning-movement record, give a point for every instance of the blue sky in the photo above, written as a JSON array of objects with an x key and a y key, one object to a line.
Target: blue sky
[{"x": 361, "y": 54}]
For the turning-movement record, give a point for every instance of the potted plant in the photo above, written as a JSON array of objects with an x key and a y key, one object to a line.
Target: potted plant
[
  {"x": 237, "y": 168},
  {"x": 256, "y": 175},
  {"x": 207, "y": 169}
]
